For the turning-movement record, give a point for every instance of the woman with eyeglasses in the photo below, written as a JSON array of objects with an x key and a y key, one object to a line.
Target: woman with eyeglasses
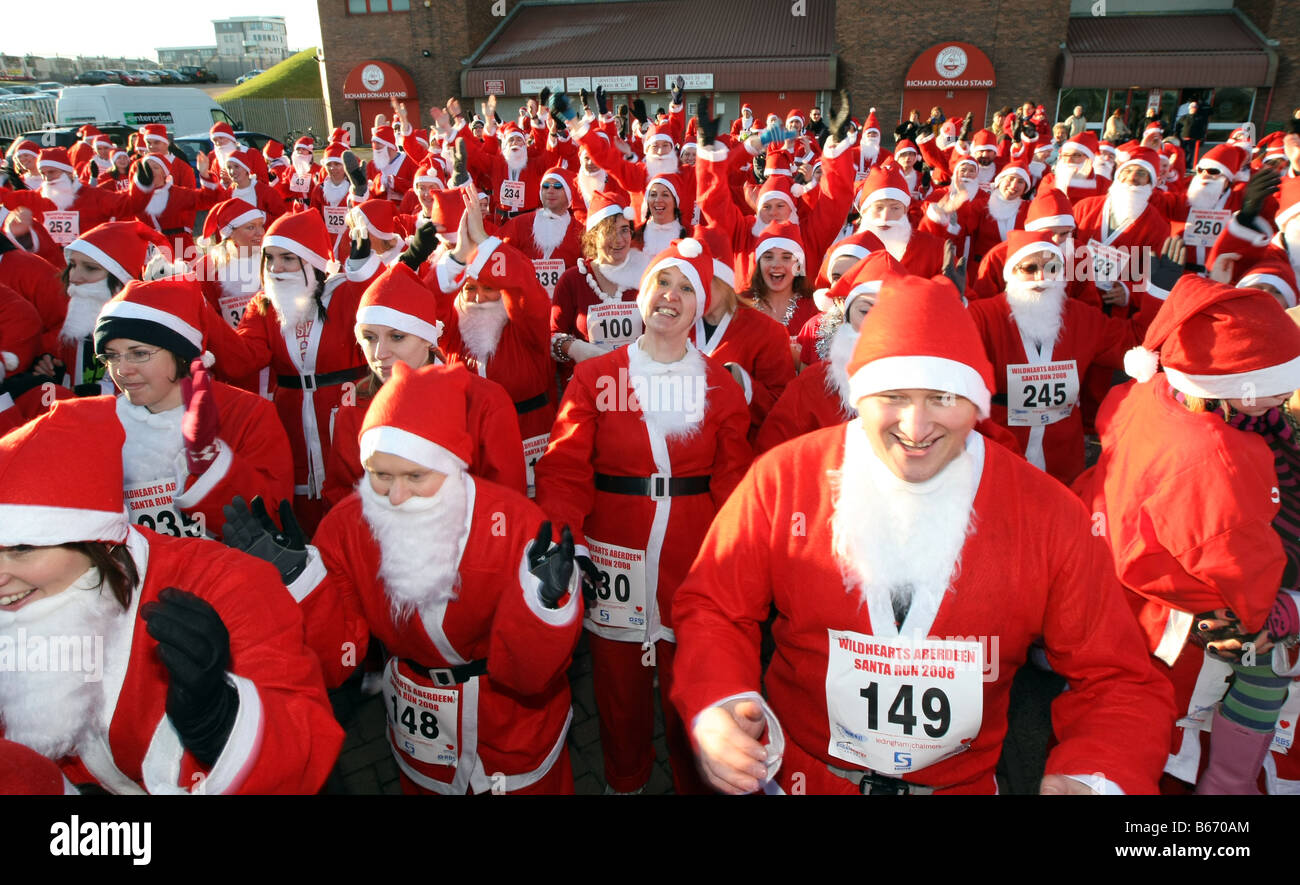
[{"x": 192, "y": 444}]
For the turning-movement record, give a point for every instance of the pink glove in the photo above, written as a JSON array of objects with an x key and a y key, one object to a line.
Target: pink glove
[
  {"x": 200, "y": 425},
  {"x": 1283, "y": 619}
]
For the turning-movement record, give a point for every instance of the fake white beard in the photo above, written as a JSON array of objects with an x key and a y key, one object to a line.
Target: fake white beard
[
  {"x": 668, "y": 407},
  {"x": 656, "y": 166},
  {"x": 837, "y": 373},
  {"x": 1037, "y": 307},
  {"x": 894, "y": 540},
  {"x": 1001, "y": 208},
  {"x": 970, "y": 185},
  {"x": 628, "y": 274},
  {"x": 910, "y": 177},
  {"x": 945, "y": 141},
  {"x": 516, "y": 159},
  {"x": 1063, "y": 173},
  {"x": 869, "y": 151},
  {"x": 154, "y": 447},
  {"x": 291, "y": 296},
  {"x": 480, "y": 326},
  {"x": 549, "y": 230},
  {"x": 590, "y": 183},
  {"x": 52, "y": 710},
  {"x": 335, "y": 194},
  {"x": 301, "y": 165},
  {"x": 382, "y": 157},
  {"x": 33, "y": 182},
  {"x": 158, "y": 200},
  {"x": 1202, "y": 194},
  {"x": 420, "y": 543},
  {"x": 657, "y": 237},
  {"x": 85, "y": 300},
  {"x": 1104, "y": 166},
  {"x": 247, "y": 194},
  {"x": 987, "y": 173},
  {"x": 391, "y": 257},
  {"x": 1128, "y": 201},
  {"x": 894, "y": 234},
  {"x": 61, "y": 192},
  {"x": 224, "y": 152}
]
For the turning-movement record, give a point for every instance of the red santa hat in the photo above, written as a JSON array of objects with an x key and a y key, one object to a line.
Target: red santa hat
[
  {"x": 782, "y": 235},
  {"x": 334, "y": 154},
  {"x": 507, "y": 131},
  {"x": 1288, "y": 202},
  {"x": 1223, "y": 157},
  {"x": 27, "y": 146},
  {"x": 778, "y": 188},
  {"x": 170, "y": 314},
  {"x": 897, "y": 348},
  {"x": 244, "y": 159},
  {"x": 340, "y": 135},
  {"x": 776, "y": 163},
  {"x": 1106, "y": 147},
  {"x": 1217, "y": 342},
  {"x": 1050, "y": 209},
  {"x": 427, "y": 173},
  {"x": 273, "y": 151},
  {"x": 228, "y": 215},
  {"x": 906, "y": 146},
  {"x": 97, "y": 140},
  {"x": 125, "y": 249},
  {"x": 885, "y": 183},
  {"x": 691, "y": 258},
  {"x": 154, "y": 132},
  {"x": 863, "y": 279},
  {"x": 306, "y": 143},
  {"x": 1023, "y": 243},
  {"x": 984, "y": 142},
  {"x": 398, "y": 299},
  {"x": 1019, "y": 168},
  {"x": 567, "y": 179},
  {"x": 1152, "y": 127},
  {"x": 606, "y": 204},
  {"x": 1275, "y": 272},
  {"x": 382, "y": 136},
  {"x": 499, "y": 265},
  {"x": 1085, "y": 143},
  {"x": 956, "y": 160},
  {"x": 87, "y": 130},
  {"x": 448, "y": 207},
  {"x": 55, "y": 158},
  {"x": 795, "y": 115},
  {"x": 416, "y": 144},
  {"x": 379, "y": 216},
  {"x": 1144, "y": 158},
  {"x": 857, "y": 245},
  {"x": 419, "y": 415},
  {"x": 44, "y": 507},
  {"x": 222, "y": 128},
  {"x": 657, "y": 132},
  {"x": 304, "y": 235},
  {"x": 873, "y": 122},
  {"x": 747, "y": 108},
  {"x": 674, "y": 183}
]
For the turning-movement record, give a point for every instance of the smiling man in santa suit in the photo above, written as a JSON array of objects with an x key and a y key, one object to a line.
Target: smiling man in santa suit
[
  {"x": 551, "y": 234},
  {"x": 908, "y": 540},
  {"x": 452, "y": 573}
]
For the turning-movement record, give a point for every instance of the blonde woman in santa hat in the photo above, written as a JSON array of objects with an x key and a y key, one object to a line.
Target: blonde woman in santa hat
[
  {"x": 192, "y": 443},
  {"x": 206, "y": 686},
  {"x": 1213, "y": 559},
  {"x": 477, "y": 611},
  {"x": 397, "y": 322},
  {"x": 649, "y": 441},
  {"x": 230, "y": 269}
]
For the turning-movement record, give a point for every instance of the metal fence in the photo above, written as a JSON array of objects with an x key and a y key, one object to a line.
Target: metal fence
[
  {"x": 283, "y": 118},
  {"x": 19, "y": 114}
]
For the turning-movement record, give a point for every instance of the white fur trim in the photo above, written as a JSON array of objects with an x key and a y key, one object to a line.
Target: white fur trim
[
  {"x": 554, "y": 617},
  {"x": 1019, "y": 171},
  {"x": 313, "y": 575},
  {"x": 832, "y": 151},
  {"x": 887, "y": 193},
  {"x": 1135, "y": 162},
  {"x": 870, "y": 287},
  {"x": 130, "y": 310},
  {"x": 1271, "y": 279},
  {"x": 1215, "y": 164},
  {"x": 724, "y": 272},
  {"x": 689, "y": 248},
  {"x": 379, "y": 315},
  {"x": 42, "y": 526},
  {"x": 609, "y": 211},
  {"x": 1269, "y": 381},
  {"x": 317, "y": 261},
  {"x": 241, "y": 220},
  {"x": 1014, "y": 258},
  {"x": 647, "y": 282},
  {"x": 10, "y": 360},
  {"x": 485, "y": 250},
  {"x": 404, "y": 444},
  {"x": 161, "y": 768},
  {"x": 666, "y": 183},
  {"x": 712, "y": 153},
  {"x": 823, "y": 300},
  {"x": 52, "y": 164},
  {"x": 100, "y": 257},
  {"x": 360, "y": 272},
  {"x": 211, "y": 477},
  {"x": 1251, "y": 235},
  {"x": 922, "y": 372},
  {"x": 1286, "y": 214},
  {"x": 781, "y": 243},
  {"x": 778, "y": 195},
  {"x": 1141, "y": 364},
  {"x": 1051, "y": 221}
]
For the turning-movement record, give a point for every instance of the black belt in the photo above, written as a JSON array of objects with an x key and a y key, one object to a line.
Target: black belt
[
  {"x": 998, "y": 399},
  {"x": 871, "y": 783},
  {"x": 445, "y": 676},
  {"x": 657, "y": 486},
  {"x": 531, "y": 404},
  {"x": 329, "y": 379},
  {"x": 174, "y": 232}
]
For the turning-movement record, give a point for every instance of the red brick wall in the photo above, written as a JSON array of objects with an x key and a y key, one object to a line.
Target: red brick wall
[{"x": 1277, "y": 19}]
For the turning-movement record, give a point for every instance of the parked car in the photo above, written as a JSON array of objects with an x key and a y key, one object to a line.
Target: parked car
[
  {"x": 22, "y": 89},
  {"x": 126, "y": 78},
  {"x": 97, "y": 78},
  {"x": 50, "y": 86},
  {"x": 66, "y": 136},
  {"x": 250, "y": 75},
  {"x": 190, "y": 145},
  {"x": 171, "y": 75},
  {"x": 148, "y": 78},
  {"x": 198, "y": 73}
]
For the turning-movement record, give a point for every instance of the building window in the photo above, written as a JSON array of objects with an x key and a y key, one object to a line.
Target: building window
[{"x": 360, "y": 7}]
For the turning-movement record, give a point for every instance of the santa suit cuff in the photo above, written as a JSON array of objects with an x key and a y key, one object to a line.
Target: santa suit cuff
[
  {"x": 712, "y": 153},
  {"x": 1098, "y": 783},
  {"x": 207, "y": 183},
  {"x": 450, "y": 273},
  {"x": 578, "y": 128},
  {"x": 568, "y": 611},
  {"x": 312, "y": 576},
  {"x": 161, "y": 769},
  {"x": 775, "y": 735},
  {"x": 746, "y": 383},
  {"x": 363, "y": 270},
  {"x": 209, "y": 479},
  {"x": 1251, "y": 235},
  {"x": 830, "y": 152}
]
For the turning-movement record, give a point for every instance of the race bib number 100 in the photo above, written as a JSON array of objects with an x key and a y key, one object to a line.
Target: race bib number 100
[{"x": 898, "y": 705}]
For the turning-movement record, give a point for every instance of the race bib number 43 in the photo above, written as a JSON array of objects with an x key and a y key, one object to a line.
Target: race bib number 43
[
  {"x": 621, "y": 595},
  {"x": 1039, "y": 395},
  {"x": 898, "y": 705}
]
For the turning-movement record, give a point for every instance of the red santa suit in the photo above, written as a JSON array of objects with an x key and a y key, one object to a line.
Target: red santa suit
[
  {"x": 487, "y": 164},
  {"x": 20, "y": 332},
  {"x": 760, "y": 346},
  {"x": 582, "y": 309},
  {"x": 552, "y": 260},
  {"x": 38, "y": 241},
  {"x": 88, "y": 206},
  {"x": 174, "y": 197}
]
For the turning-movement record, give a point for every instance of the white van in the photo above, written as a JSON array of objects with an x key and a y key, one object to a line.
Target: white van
[{"x": 182, "y": 110}]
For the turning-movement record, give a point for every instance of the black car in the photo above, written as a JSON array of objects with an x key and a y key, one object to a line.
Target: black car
[
  {"x": 66, "y": 136},
  {"x": 198, "y": 74},
  {"x": 190, "y": 145},
  {"x": 96, "y": 78}
]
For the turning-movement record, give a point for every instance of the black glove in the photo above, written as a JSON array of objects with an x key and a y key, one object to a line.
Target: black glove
[
  {"x": 1261, "y": 185},
  {"x": 360, "y": 249},
  {"x": 194, "y": 646},
  {"x": 590, "y": 579},
  {"x": 925, "y": 129},
  {"x": 18, "y": 383},
  {"x": 638, "y": 111},
  {"x": 602, "y": 106},
  {"x": 543, "y": 97},
  {"x": 11, "y": 177},
  {"x": 553, "y": 566},
  {"x": 561, "y": 107},
  {"x": 840, "y": 121},
  {"x": 967, "y": 128},
  {"x": 422, "y": 246},
  {"x": 706, "y": 129},
  {"x": 1165, "y": 272},
  {"x": 585, "y": 97},
  {"x": 357, "y": 172},
  {"x": 251, "y": 530},
  {"x": 144, "y": 173},
  {"x": 676, "y": 92},
  {"x": 1029, "y": 130},
  {"x": 559, "y": 127},
  {"x": 460, "y": 174}
]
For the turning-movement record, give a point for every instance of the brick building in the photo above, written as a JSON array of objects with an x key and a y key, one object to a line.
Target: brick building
[{"x": 1240, "y": 57}]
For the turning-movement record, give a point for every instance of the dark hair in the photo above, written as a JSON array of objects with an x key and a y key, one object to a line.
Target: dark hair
[
  {"x": 115, "y": 566},
  {"x": 114, "y": 284}
]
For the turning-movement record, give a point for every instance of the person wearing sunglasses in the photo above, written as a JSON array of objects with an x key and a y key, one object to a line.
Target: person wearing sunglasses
[
  {"x": 550, "y": 235},
  {"x": 1041, "y": 343}
]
